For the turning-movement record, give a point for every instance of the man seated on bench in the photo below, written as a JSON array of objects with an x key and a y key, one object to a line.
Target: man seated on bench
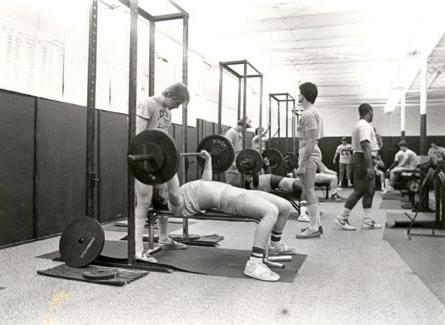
[
  {"x": 272, "y": 211},
  {"x": 405, "y": 160},
  {"x": 323, "y": 176}
]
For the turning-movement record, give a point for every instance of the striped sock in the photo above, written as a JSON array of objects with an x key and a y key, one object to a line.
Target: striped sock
[
  {"x": 257, "y": 252},
  {"x": 275, "y": 236}
]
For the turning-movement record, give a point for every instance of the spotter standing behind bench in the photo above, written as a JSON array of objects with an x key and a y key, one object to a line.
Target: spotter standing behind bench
[{"x": 204, "y": 194}]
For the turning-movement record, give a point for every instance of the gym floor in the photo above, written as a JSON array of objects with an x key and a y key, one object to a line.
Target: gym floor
[{"x": 348, "y": 278}]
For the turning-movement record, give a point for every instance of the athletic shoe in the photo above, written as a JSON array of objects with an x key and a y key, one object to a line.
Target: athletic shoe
[
  {"x": 303, "y": 218},
  {"x": 303, "y": 202},
  {"x": 308, "y": 233},
  {"x": 369, "y": 224},
  {"x": 144, "y": 256},
  {"x": 320, "y": 229},
  {"x": 336, "y": 197},
  {"x": 259, "y": 270},
  {"x": 173, "y": 245},
  {"x": 281, "y": 249},
  {"x": 343, "y": 223}
]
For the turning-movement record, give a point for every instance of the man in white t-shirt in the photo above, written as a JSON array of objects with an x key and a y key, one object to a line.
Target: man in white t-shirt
[
  {"x": 406, "y": 160},
  {"x": 344, "y": 151},
  {"x": 364, "y": 146},
  {"x": 154, "y": 113}
]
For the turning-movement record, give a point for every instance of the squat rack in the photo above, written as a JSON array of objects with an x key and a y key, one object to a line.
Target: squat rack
[
  {"x": 286, "y": 98},
  {"x": 229, "y": 67},
  {"x": 92, "y": 142}
]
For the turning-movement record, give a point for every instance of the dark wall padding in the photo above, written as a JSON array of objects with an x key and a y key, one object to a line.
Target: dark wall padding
[
  {"x": 61, "y": 152},
  {"x": 16, "y": 167},
  {"x": 113, "y": 165}
]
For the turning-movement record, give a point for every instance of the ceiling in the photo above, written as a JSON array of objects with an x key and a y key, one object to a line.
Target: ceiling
[{"x": 355, "y": 51}]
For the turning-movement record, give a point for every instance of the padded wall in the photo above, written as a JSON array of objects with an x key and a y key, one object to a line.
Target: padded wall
[
  {"x": 113, "y": 165},
  {"x": 17, "y": 164},
  {"x": 61, "y": 163}
]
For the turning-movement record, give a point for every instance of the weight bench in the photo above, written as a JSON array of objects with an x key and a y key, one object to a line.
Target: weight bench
[{"x": 326, "y": 186}]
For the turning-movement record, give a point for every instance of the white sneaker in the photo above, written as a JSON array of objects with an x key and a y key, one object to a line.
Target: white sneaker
[
  {"x": 304, "y": 218},
  {"x": 259, "y": 270},
  {"x": 281, "y": 248},
  {"x": 369, "y": 224},
  {"x": 145, "y": 257},
  {"x": 343, "y": 223}
]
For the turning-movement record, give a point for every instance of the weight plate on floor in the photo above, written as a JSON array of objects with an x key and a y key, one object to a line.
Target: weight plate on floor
[
  {"x": 164, "y": 161},
  {"x": 249, "y": 162},
  {"x": 274, "y": 156},
  {"x": 81, "y": 242},
  {"x": 100, "y": 274},
  {"x": 221, "y": 150}
]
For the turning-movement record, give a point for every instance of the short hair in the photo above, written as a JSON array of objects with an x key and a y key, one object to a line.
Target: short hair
[
  {"x": 364, "y": 109},
  {"x": 403, "y": 143},
  {"x": 178, "y": 91},
  {"x": 344, "y": 139},
  {"x": 309, "y": 91},
  {"x": 257, "y": 130}
]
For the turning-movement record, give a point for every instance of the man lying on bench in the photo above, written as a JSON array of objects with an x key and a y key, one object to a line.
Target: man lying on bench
[{"x": 272, "y": 211}]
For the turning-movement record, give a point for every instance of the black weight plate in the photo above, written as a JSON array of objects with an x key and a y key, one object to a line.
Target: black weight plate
[
  {"x": 81, "y": 242},
  {"x": 100, "y": 274},
  {"x": 221, "y": 150},
  {"x": 249, "y": 162},
  {"x": 165, "y": 162},
  {"x": 274, "y": 156}
]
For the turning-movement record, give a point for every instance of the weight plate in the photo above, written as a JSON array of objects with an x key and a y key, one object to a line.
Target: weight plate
[
  {"x": 165, "y": 158},
  {"x": 100, "y": 274},
  {"x": 249, "y": 162},
  {"x": 221, "y": 151},
  {"x": 81, "y": 242}
]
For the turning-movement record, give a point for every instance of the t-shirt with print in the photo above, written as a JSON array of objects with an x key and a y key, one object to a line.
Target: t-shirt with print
[
  {"x": 158, "y": 116},
  {"x": 236, "y": 139},
  {"x": 309, "y": 120},
  {"x": 345, "y": 153},
  {"x": 437, "y": 154},
  {"x": 363, "y": 131}
]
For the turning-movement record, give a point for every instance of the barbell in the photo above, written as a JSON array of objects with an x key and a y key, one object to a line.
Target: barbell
[
  {"x": 250, "y": 162},
  {"x": 153, "y": 157}
]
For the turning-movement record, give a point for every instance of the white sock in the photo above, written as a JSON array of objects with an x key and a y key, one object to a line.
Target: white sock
[
  {"x": 313, "y": 211},
  {"x": 346, "y": 212},
  {"x": 139, "y": 234}
]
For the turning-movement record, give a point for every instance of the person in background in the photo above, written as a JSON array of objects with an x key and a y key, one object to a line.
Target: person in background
[
  {"x": 344, "y": 151},
  {"x": 406, "y": 160},
  {"x": 324, "y": 175},
  {"x": 235, "y": 136},
  {"x": 436, "y": 153},
  {"x": 260, "y": 138},
  {"x": 379, "y": 166},
  {"x": 364, "y": 146}
]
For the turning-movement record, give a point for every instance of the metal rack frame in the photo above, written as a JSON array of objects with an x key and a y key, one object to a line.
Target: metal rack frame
[{"x": 283, "y": 98}]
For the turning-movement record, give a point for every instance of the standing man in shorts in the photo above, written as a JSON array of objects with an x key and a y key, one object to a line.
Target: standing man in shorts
[
  {"x": 309, "y": 131},
  {"x": 344, "y": 151},
  {"x": 154, "y": 113},
  {"x": 235, "y": 136},
  {"x": 365, "y": 146}
]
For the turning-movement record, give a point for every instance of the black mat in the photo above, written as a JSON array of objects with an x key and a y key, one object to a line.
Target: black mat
[
  {"x": 393, "y": 205},
  {"x": 205, "y": 260},
  {"x": 424, "y": 255},
  {"x": 1, "y": 288},
  {"x": 399, "y": 219},
  {"x": 65, "y": 272},
  {"x": 392, "y": 195},
  {"x": 194, "y": 259}
]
